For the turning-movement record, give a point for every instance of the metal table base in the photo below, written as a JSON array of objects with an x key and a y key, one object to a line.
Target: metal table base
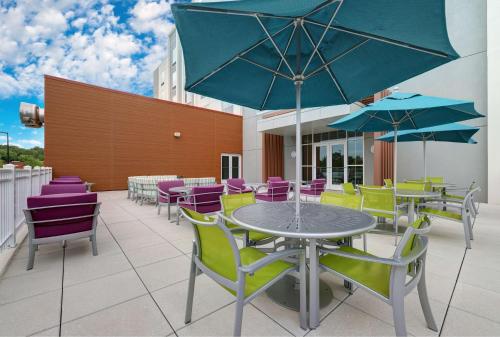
[{"x": 286, "y": 293}]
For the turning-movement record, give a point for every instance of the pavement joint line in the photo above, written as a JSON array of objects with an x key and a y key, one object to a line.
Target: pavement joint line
[
  {"x": 278, "y": 323},
  {"x": 142, "y": 281}
]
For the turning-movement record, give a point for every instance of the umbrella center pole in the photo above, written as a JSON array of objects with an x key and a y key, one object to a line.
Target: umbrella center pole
[{"x": 298, "y": 148}]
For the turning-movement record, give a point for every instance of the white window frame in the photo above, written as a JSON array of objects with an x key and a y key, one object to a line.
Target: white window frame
[{"x": 230, "y": 155}]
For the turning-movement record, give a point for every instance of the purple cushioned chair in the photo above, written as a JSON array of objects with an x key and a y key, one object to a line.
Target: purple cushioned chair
[
  {"x": 316, "y": 188},
  {"x": 203, "y": 199},
  {"x": 69, "y": 177},
  {"x": 165, "y": 197},
  {"x": 63, "y": 188},
  {"x": 269, "y": 179},
  {"x": 58, "y": 217},
  {"x": 65, "y": 181},
  {"x": 276, "y": 191},
  {"x": 237, "y": 186}
]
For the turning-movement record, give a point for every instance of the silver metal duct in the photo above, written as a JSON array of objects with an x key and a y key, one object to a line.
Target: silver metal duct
[{"x": 31, "y": 115}]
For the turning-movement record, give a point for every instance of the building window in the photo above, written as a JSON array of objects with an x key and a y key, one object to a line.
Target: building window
[
  {"x": 227, "y": 107},
  {"x": 230, "y": 166},
  {"x": 336, "y": 156}
]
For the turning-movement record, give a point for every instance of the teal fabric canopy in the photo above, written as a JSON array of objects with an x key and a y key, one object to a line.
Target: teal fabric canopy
[
  {"x": 406, "y": 112},
  {"x": 251, "y": 52},
  {"x": 453, "y": 132}
]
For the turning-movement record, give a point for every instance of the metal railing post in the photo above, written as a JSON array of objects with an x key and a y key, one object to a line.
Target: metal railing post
[{"x": 10, "y": 204}]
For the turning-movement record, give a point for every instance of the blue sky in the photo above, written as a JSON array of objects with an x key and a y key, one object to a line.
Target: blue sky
[{"x": 116, "y": 44}]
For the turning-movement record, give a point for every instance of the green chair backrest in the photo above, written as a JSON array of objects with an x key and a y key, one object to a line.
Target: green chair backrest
[
  {"x": 230, "y": 202},
  {"x": 414, "y": 186},
  {"x": 388, "y": 183},
  {"x": 215, "y": 250},
  {"x": 378, "y": 201},
  {"x": 342, "y": 200},
  {"x": 348, "y": 188},
  {"x": 408, "y": 245},
  {"x": 437, "y": 180},
  {"x": 371, "y": 186}
]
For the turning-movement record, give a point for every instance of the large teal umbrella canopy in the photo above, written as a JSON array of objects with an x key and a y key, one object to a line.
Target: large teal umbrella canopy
[
  {"x": 250, "y": 52},
  {"x": 403, "y": 111},
  {"x": 281, "y": 54},
  {"x": 453, "y": 132}
]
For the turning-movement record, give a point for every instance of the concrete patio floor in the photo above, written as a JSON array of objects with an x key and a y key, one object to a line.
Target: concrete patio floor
[{"x": 137, "y": 285}]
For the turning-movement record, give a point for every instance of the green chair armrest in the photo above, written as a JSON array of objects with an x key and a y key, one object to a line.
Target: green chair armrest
[{"x": 251, "y": 268}]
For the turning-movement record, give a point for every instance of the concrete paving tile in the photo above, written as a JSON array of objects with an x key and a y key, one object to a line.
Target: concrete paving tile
[
  {"x": 151, "y": 254},
  {"x": 478, "y": 301},
  {"x": 164, "y": 273},
  {"x": 461, "y": 323}
]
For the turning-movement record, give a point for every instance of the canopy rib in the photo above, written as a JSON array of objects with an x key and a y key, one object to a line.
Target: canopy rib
[
  {"x": 411, "y": 119},
  {"x": 233, "y": 12},
  {"x": 244, "y": 52},
  {"x": 381, "y": 39},
  {"x": 336, "y": 58},
  {"x": 277, "y": 69},
  {"x": 327, "y": 68},
  {"x": 265, "y": 68},
  {"x": 316, "y": 46},
  {"x": 274, "y": 45}
]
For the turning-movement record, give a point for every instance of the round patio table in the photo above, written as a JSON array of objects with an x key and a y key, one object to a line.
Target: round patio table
[
  {"x": 412, "y": 195},
  {"x": 317, "y": 221}
]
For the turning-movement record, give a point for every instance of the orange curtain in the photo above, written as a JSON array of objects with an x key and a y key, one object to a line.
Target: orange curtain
[
  {"x": 383, "y": 156},
  {"x": 272, "y": 156}
]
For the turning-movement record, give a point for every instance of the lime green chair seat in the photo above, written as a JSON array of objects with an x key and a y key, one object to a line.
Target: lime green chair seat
[
  {"x": 454, "y": 196},
  {"x": 375, "y": 276},
  {"x": 230, "y": 202},
  {"x": 262, "y": 276},
  {"x": 441, "y": 213}
]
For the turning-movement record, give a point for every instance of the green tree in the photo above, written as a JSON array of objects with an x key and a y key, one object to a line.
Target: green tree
[{"x": 33, "y": 157}]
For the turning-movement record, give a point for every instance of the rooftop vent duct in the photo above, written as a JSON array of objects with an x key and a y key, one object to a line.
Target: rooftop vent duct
[{"x": 32, "y": 116}]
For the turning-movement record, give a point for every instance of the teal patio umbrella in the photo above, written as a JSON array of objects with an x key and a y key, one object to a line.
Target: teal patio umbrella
[
  {"x": 282, "y": 54},
  {"x": 453, "y": 132},
  {"x": 402, "y": 111}
]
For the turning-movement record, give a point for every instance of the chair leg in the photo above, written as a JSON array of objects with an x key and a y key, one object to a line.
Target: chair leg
[
  {"x": 238, "y": 320},
  {"x": 303, "y": 289},
  {"x": 424, "y": 301},
  {"x": 168, "y": 211},
  {"x": 192, "y": 279},
  {"x": 159, "y": 208},
  {"x": 94, "y": 244},
  {"x": 395, "y": 231},
  {"x": 466, "y": 233},
  {"x": 31, "y": 258},
  {"x": 365, "y": 245},
  {"x": 398, "y": 301},
  {"x": 178, "y": 215}
]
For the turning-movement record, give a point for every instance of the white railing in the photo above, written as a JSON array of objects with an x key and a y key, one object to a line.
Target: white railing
[{"x": 16, "y": 185}]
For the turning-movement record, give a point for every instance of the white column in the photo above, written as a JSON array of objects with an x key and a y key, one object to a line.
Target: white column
[{"x": 493, "y": 56}]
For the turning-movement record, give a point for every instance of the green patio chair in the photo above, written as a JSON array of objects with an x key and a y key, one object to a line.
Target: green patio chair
[
  {"x": 381, "y": 203},
  {"x": 414, "y": 186},
  {"x": 388, "y": 183},
  {"x": 461, "y": 213},
  {"x": 389, "y": 279},
  {"x": 342, "y": 200},
  {"x": 457, "y": 198},
  {"x": 348, "y": 188},
  {"x": 245, "y": 273},
  {"x": 229, "y": 203}
]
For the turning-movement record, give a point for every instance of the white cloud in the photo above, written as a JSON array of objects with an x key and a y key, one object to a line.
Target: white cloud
[
  {"x": 30, "y": 142},
  {"x": 80, "y": 40}
]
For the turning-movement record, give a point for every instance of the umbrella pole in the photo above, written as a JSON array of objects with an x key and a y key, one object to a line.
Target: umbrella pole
[
  {"x": 395, "y": 157},
  {"x": 298, "y": 148},
  {"x": 425, "y": 165}
]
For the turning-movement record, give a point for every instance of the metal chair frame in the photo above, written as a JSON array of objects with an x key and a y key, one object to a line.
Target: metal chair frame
[
  {"x": 238, "y": 286},
  {"x": 34, "y": 242},
  {"x": 399, "y": 286}
]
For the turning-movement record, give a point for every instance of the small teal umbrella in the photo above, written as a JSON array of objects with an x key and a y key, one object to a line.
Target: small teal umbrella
[
  {"x": 402, "y": 111},
  {"x": 282, "y": 54},
  {"x": 453, "y": 132}
]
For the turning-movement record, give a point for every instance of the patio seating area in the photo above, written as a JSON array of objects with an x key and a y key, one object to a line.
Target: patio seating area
[{"x": 142, "y": 271}]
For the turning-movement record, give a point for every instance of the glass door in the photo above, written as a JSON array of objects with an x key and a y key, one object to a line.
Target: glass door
[
  {"x": 329, "y": 162},
  {"x": 230, "y": 166},
  {"x": 337, "y": 155}
]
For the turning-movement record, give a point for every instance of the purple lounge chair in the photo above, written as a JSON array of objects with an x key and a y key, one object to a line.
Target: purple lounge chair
[
  {"x": 63, "y": 188},
  {"x": 60, "y": 217},
  {"x": 316, "y": 188},
  {"x": 69, "y": 177},
  {"x": 269, "y": 179},
  {"x": 165, "y": 197},
  {"x": 65, "y": 181},
  {"x": 203, "y": 199},
  {"x": 237, "y": 186},
  {"x": 276, "y": 191}
]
